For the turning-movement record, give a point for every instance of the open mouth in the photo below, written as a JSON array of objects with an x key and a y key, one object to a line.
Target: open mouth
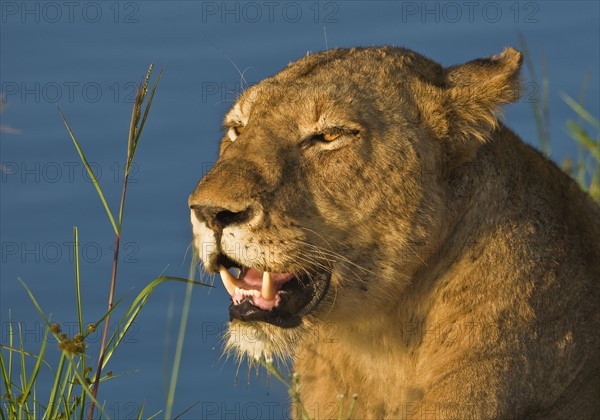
[{"x": 280, "y": 299}]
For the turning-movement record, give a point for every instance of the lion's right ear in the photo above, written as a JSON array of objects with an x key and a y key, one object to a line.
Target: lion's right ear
[
  {"x": 476, "y": 91},
  {"x": 463, "y": 109}
]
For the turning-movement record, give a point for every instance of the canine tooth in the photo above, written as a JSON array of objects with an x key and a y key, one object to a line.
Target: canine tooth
[
  {"x": 230, "y": 282},
  {"x": 268, "y": 287}
]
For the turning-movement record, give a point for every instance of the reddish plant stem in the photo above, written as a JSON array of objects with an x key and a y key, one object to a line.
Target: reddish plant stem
[{"x": 111, "y": 295}]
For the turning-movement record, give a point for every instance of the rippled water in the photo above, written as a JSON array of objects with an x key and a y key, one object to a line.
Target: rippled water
[{"x": 86, "y": 56}]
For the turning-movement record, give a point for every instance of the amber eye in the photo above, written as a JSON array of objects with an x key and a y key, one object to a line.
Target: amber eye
[
  {"x": 330, "y": 136},
  {"x": 238, "y": 130}
]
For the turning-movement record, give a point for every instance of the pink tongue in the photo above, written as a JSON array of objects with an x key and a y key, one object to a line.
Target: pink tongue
[{"x": 253, "y": 280}]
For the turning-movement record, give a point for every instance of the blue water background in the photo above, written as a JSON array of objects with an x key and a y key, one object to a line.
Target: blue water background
[{"x": 85, "y": 56}]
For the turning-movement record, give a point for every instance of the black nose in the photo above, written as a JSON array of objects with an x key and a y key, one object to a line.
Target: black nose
[{"x": 218, "y": 218}]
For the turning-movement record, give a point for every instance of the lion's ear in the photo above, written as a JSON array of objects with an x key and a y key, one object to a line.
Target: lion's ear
[
  {"x": 463, "y": 109},
  {"x": 476, "y": 91}
]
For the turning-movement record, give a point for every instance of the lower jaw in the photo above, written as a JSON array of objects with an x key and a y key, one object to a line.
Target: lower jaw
[{"x": 246, "y": 312}]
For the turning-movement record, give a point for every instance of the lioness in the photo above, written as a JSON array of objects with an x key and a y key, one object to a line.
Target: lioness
[{"x": 448, "y": 269}]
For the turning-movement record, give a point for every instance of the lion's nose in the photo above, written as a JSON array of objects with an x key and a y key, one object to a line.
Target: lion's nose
[{"x": 218, "y": 218}]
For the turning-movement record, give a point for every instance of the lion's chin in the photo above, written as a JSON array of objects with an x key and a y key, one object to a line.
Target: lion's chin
[{"x": 258, "y": 340}]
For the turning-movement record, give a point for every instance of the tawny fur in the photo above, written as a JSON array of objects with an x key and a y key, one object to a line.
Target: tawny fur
[{"x": 464, "y": 264}]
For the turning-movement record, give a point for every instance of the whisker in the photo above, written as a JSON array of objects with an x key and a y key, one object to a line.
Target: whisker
[
  {"x": 336, "y": 255},
  {"x": 320, "y": 235},
  {"x": 314, "y": 263}
]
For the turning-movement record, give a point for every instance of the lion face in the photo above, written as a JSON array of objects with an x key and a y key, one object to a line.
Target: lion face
[{"x": 327, "y": 194}]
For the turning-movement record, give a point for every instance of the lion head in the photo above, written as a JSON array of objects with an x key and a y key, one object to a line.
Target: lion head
[{"x": 329, "y": 189}]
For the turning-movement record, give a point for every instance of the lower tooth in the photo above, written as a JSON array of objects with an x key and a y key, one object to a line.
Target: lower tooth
[{"x": 247, "y": 292}]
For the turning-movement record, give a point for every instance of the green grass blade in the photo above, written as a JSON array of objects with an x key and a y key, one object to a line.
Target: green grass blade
[
  {"x": 113, "y": 376},
  {"x": 540, "y": 108},
  {"x": 273, "y": 371},
  {"x": 5, "y": 377},
  {"x": 10, "y": 343},
  {"x": 34, "y": 403},
  {"x": 352, "y": 405},
  {"x": 595, "y": 186},
  {"x": 66, "y": 413},
  {"x": 7, "y": 385},
  {"x": 77, "y": 279},
  {"x": 293, "y": 387},
  {"x": 181, "y": 336},
  {"x": 184, "y": 412},
  {"x": 580, "y": 111},
  {"x": 91, "y": 173},
  {"x": 26, "y": 353},
  {"x": 124, "y": 326},
  {"x": 61, "y": 390},
  {"x": 82, "y": 405},
  {"x": 150, "y": 287},
  {"x": 141, "y": 412},
  {"x": 7, "y": 373},
  {"x": 36, "y": 368},
  {"x": 87, "y": 332},
  {"x": 134, "y": 309},
  {"x": 79, "y": 310},
  {"x": 70, "y": 388},
  {"x": 70, "y": 402},
  {"x": 154, "y": 415},
  {"x": 112, "y": 337},
  {"x": 169, "y": 322},
  {"x": 35, "y": 303},
  {"x": 51, "y": 403},
  {"x": 23, "y": 370},
  {"x": 580, "y": 136},
  {"x": 84, "y": 385}
]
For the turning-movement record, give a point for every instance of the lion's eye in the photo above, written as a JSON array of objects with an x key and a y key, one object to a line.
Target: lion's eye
[
  {"x": 337, "y": 136},
  {"x": 238, "y": 130},
  {"x": 330, "y": 136},
  {"x": 327, "y": 137}
]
